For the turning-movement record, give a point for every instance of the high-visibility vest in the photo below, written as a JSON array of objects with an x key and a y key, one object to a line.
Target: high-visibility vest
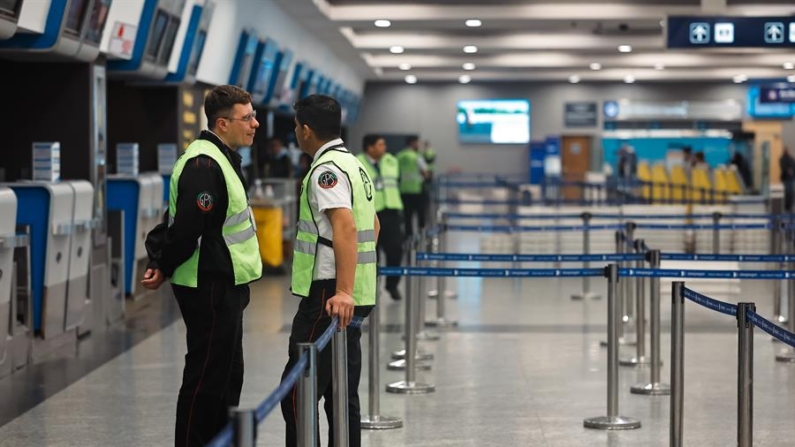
[
  {"x": 239, "y": 230},
  {"x": 410, "y": 176},
  {"x": 308, "y": 236},
  {"x": 385, "y": 179},
  {"x": 430, "y": 158}
]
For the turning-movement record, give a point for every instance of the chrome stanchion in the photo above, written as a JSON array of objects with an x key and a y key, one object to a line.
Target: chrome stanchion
[
  {"x": 307, "y": 398},
  {"x": 412, "y": 291},
  {"x": 745, "y": 376},
  {"x": 629, "y": 307},
  {"x": 777, "y": 242},
  {"x": 441, "y": 319},
  {"x": 716, "y": 233},
  {"x": 788, "y": 354},
  {"x": 677, "y": 362},
  {"x": 423, "y": 334},
  {"x": 612, "y": 421},
  {"x": 245, "y": 427},
  {"x": 586, "y": 249},
  {"x": 654, "y": 388},
  {"x": 640, "y": 315},
  {"x": 339, "y": 387},
  {"x": 374, "y": 420},
  {"x": 410, "y": 385},
  {"x": 622, "y": 340},
  {"x": 441, "y": 282}
]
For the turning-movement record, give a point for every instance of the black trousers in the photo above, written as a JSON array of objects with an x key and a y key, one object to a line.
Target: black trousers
[
  {"x": 413, "y": 204},
  {"x": 789, "y": 195},
  {"x": 390, "y": 242},
  {"x": 309, "y": 323},
  {"x": 213, "y": 374}
]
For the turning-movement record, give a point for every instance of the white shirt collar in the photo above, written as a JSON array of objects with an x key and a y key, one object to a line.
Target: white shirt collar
[{"x": 325, "y": 147}]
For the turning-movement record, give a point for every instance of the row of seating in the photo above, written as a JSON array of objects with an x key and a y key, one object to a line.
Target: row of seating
[{"x": 699, "y": 185}]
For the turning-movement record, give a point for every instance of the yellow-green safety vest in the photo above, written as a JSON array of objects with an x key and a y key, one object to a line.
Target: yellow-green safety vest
[
  {"x": 308, "y": 236},
  {"x": 386, "y": 178},
  {"x": 430, "y": 158},
  {"x": 411, "y": 179},
  {"x": 239, "y": 230}
]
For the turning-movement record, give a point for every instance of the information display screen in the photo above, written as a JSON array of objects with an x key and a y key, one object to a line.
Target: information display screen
[
  {"x": 74, "y": 18},
  {"x": 168, "y": 42},
  {"x": 158, "y": 30},
  {"x": 196, "y": 56},
  {"x": 96, "y": 23},
  {"x": 494, "y": 121}
]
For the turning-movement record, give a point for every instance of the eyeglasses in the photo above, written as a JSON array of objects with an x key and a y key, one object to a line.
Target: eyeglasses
[{"x": 246, "y": 118}]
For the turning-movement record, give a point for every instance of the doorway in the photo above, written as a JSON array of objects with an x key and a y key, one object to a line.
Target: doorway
[{"x": 576, "y": 160}]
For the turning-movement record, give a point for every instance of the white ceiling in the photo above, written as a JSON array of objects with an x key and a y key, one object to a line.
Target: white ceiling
[{"x": 545, "y": 40}]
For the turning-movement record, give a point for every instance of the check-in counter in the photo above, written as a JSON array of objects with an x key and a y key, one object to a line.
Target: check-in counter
[
  {"x": 140, "y": 199},
  {"x": 47, "y": 209},
  {"x": 79, "y": 252}
]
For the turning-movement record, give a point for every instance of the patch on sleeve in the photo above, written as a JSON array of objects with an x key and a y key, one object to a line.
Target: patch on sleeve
[
  {"x": 327, "y": 180},
  {"x": 205, "y": 201}
]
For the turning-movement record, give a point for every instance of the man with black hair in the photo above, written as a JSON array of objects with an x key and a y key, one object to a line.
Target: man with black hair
[
  {"x": 208, "y": 249},
  {"x": 384, "y": 169},
  {"x": 413, "y": 173},
  {"x": 334, "y": 260}
]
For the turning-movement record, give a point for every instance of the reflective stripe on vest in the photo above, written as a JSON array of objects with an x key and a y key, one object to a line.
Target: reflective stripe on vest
[
  {"x": 239, "y": 231},
  {"x": 308, "y": 238}
]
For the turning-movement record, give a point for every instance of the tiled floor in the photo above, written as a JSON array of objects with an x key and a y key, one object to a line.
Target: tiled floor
[{"x": 524, "y": 368}]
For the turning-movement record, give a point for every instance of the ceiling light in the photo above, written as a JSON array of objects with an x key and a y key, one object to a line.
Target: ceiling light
[
  {"x": 470, "y": 49},
  {"x": 397, "y": 49},
  {"x": 596, "y": 66},
  {"x": 625, "y": 48},
  {"x": 383, "y": 23},
  {"x": 404, "y": 66},
  {"x": 739, "y": 79},
  {"x": 469, "y": 66},
  {"x": 789, "y": 66},
  {"x": 659, "y": 67},
  {"x": 629, "y": 79},
  {"x": 574, "y": 79},
  {"x": 473, "y": 23},
  {"x": 791, "y": 78},
  {"x": 411, "y": 79},
  {"x": 464, "y": 79}
]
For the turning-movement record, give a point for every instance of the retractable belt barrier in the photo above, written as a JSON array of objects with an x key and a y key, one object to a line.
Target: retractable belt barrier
[
  {"x": 455, "y": 215},
  {"x": 606, "y": 257},
  {"x": 578, "y": 273},
  {"x": 567, "y": 228}
]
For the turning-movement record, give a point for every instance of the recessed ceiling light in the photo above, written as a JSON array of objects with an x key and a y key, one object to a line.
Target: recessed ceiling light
[
  {"x": 791, "y": 78},
  {"x": 464, "y": 79},
  {"x": 473, "y": 23},
  {"x": 625, "y": 48},
  {"x": 789, "y": 66},
  {"x": 470, "y": 49},
  {"x": 659, "y": 67},
  {"x": 596, "y": 66},
  {"x": 411, "y": 79},
  {"x": 469, "y": 66},
  {"x": 383, "y": 23},
  {"x": 404, "y": 66},
  {"x": 397, "y": 49},
  {"x": 574, "y": 79},
  {"x": 739, "y": 79},
  {"x": 629, "y": 79}
]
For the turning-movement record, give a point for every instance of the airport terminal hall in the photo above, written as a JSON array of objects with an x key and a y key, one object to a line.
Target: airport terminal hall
[{"x": 394, "y": 223}]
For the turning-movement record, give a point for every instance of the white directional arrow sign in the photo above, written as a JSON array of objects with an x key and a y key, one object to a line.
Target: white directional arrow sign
[
  {"x": 774, "y": 32},
  {"x": 699, "y": 33}
]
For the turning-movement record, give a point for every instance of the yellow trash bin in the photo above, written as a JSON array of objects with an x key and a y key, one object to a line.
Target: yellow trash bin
[{"x": 268, "y": 217}]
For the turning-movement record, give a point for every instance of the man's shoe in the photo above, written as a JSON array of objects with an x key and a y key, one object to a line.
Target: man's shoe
[{"x": 394, "y": 293}]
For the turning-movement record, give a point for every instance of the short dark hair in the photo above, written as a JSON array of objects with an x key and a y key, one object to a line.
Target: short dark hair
[
  {"x": 322, "y": 114},
  {"x": 220, "y": 101},
  {"x": 411, "y": 139},
  {"x": 369, "y": 140}
]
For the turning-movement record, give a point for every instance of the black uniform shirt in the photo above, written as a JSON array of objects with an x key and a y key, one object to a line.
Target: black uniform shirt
[{"x": 202, "y": 201}]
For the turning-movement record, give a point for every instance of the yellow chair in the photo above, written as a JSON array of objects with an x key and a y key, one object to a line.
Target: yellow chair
[
  {"x": 733, "y": 183},
  {"x": 659, "y": 176},
  {"x": 701, "y": 185},
  {"x": 721, "y": 183},
  {"x": 645, "y": 177},
  {"x": 680, "y": 183}
]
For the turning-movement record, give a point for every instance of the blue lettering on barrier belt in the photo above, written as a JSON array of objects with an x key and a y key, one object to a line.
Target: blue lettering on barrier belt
[
  {"x": 738, "y": 258},
  {"x": 478, "y": 257},
  {"x": 709, "y": 303},
  {"x": 454, "y": 215},
  {"x": 776, "y": 331},
  {"x": 708, "y": 274},
  {"x": 530, "y": 229},
  {"x": 490, "y": 273},
  {"x": 224, "y": 438},
  {"x": 704, "y": 227}
]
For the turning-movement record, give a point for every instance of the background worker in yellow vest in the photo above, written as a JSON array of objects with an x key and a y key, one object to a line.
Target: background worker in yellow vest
[
  {"x": 334, "y": 260},
  {"x": 384, "y": 170},
  {"x": 208, "y": 248},
  {"x": 429, "y": 155},
  {"x": 413, "y": 173}
]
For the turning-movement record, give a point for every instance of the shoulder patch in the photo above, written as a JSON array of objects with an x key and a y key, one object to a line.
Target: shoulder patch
[
  {"x": 205, "y": 201},
  {"x": 327, "y": 180}
]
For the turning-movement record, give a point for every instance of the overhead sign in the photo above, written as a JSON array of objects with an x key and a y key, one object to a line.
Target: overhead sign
[
  {"x": 717, "y": 32},
  {"x": 777, "y": 94},
  {"x": 580, "y": 114},
  {"x": 633, "y": 110}
]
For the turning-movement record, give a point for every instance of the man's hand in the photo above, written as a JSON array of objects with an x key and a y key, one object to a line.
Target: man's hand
[
  {"x": 341, "y": 305},
  {"x": 153, "y": 279}
]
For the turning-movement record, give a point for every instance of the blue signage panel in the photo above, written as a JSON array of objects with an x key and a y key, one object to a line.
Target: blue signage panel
[
  {"x": 760, "y": 109},
  {"x": 731, "y": 32},
  {"x": 777, "y": 94}
]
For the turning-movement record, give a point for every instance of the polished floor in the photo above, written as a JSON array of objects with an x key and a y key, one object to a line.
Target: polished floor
[{"x": 523, "y": 368}]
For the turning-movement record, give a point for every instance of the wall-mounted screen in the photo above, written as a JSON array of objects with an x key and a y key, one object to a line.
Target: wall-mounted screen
[
  {"x": 75, "y": 16},
  {"x": 260, "y": 79},
  {"x": 168, "y": 41},
  {"x": 156, "y": 36},
  {"x": 10, "y": 8},
  {"x": 96, "y": 23},
  {"x": 494, "y": 121},
  {"x": 276, "y": 89},
  {"x": 198, "y": 49},
  {"x": 244, "y": 58}
]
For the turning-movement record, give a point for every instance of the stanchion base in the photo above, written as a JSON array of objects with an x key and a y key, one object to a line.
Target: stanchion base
[
  {"x": 441, "y": 322},
  {"x": 634, "y": 361},
  {"x": 419, "y": 355},
  {"x": 611, "y": 423},
  {"x": 404, "y": 387},
  {"x": 381, "y": 422},
  {"x": 621, "y": 342},
  {"x": 433, "y": 294},
  {"x": 651, "y": 389},
  {"x": 428, "y": 336},
  {"x": 782, "y": 319},
  {"x": 586, "y": 296},
  {"x": 786, "y": 357},
  {"x": 450, "y": 294},
  {"x": 400, "y": 365}
]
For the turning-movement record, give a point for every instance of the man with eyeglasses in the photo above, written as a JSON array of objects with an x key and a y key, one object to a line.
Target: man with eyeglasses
[{"x": 208, "y": 248}]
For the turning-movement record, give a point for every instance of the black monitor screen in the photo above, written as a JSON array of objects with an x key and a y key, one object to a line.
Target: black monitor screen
[
  {"x": 74, "y": 18},
  {"x": 156, "y": 36},
  {"x": 96, "y": 23},
  {"x": 10, "y": 7},
  {"x": 196, "y": 57},
  {"x": 168, "y": 43}
]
